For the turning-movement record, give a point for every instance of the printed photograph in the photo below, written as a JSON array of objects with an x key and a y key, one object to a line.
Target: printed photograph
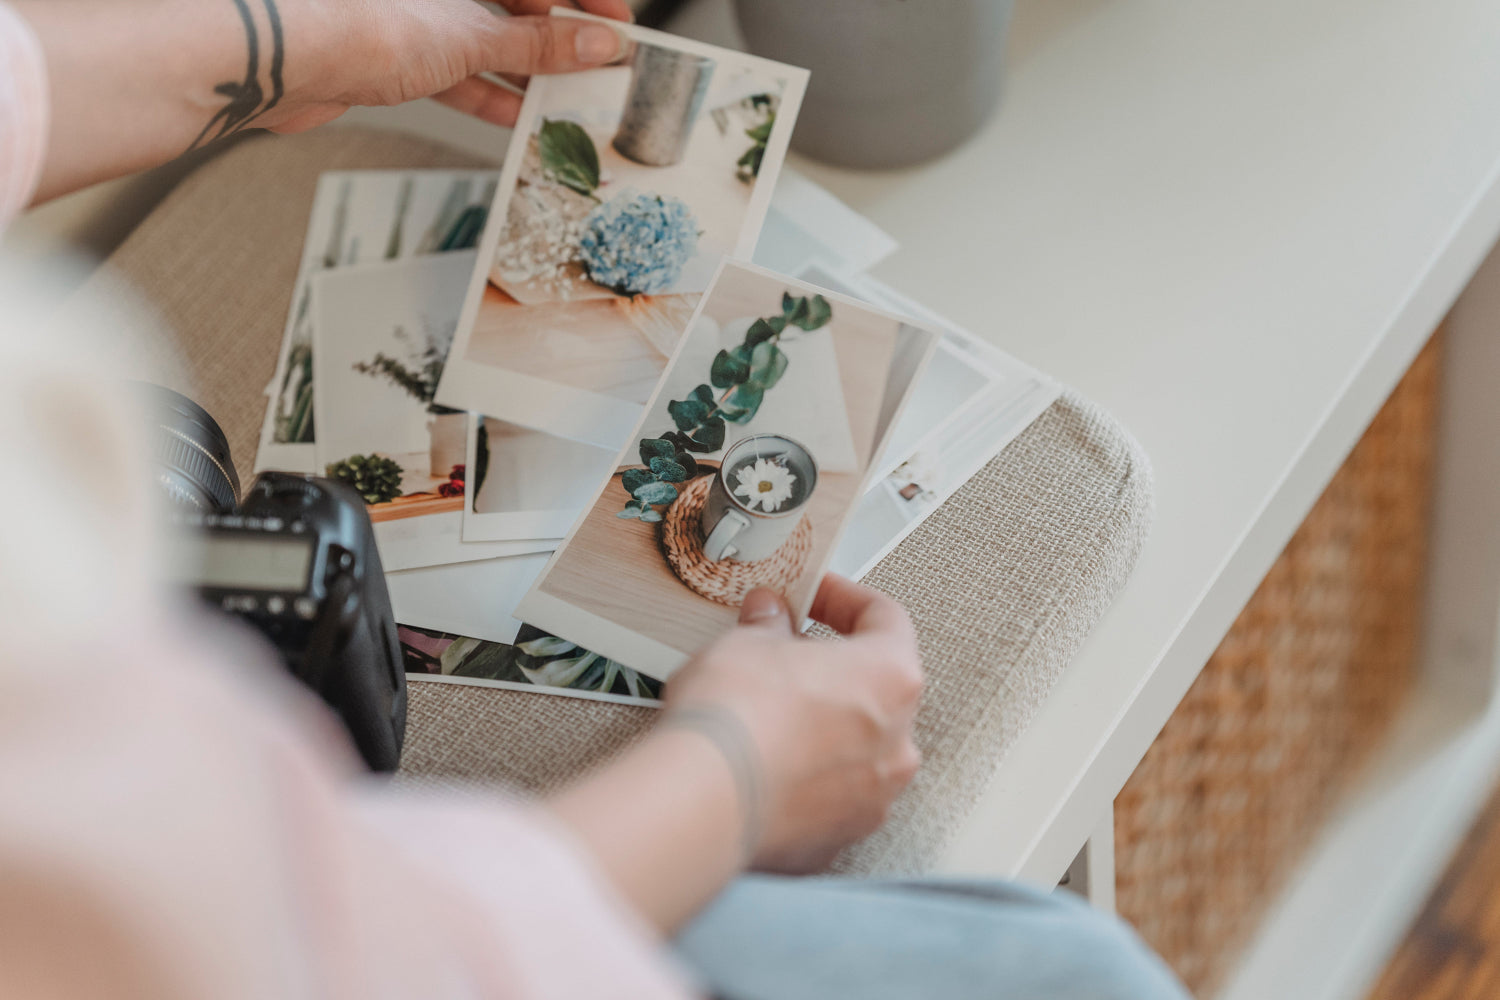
[
  {"x": 527, "y": 483},
  {"x": 743, "y": 472},
  {"x": 969, "y": 403},
  {"x": 535, "y": 661},
  {"x": 381, "y": 333},
  {"x": 477, "y": 598},
  {"x": 362, "y": 217},
  {"x": 623, "y": 188}
]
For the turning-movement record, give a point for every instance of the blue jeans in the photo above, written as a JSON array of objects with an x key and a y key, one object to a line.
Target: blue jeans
[{"x": 772, "y": 938}]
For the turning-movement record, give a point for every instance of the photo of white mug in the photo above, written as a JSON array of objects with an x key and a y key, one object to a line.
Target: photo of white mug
[{"x": 758, "y": 498}]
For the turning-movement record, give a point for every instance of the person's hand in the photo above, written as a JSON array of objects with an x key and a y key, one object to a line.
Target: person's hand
[
  {"x": 831, "y": 721},
  {"x": 134, "y": 83},
  {"x": 385, "y": 52}
]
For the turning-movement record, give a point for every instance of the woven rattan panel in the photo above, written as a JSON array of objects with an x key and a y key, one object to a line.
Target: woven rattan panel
[{"x": 1302, "y": 687}]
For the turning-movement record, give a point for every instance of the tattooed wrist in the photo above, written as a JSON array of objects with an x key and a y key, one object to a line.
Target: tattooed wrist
[{"x": 262, "y": 87}]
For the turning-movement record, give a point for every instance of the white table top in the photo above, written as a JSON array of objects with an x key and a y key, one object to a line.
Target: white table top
[{"x": 1232, "y": 224}]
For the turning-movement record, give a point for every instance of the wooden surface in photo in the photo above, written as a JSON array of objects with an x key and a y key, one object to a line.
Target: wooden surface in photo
[
  {"x": 615, "y": 568},
  {"x": 419, "y": 505},
  {"x": 616, "y": 346},
  {"x": 1453, "y": 951}
]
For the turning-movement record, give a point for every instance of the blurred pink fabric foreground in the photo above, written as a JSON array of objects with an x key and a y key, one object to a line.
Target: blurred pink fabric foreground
[{"x": 176, "y": 818}]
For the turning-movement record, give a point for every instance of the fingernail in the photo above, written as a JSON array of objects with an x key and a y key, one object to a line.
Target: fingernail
[
  {"x": 761, "y": 606},
  {"x": 598, "y": 43}
]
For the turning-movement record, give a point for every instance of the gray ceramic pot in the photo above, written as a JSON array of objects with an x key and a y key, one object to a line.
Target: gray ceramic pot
[{"x": 894, "y": 82}]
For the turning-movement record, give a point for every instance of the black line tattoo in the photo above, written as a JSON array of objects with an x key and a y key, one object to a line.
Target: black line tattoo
[
  {"x": 278, "y": 53},
  {"x": 247, "y": 98}
]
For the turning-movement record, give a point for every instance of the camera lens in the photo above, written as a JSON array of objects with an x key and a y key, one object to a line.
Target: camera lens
[{"x": 190, "y": 451}]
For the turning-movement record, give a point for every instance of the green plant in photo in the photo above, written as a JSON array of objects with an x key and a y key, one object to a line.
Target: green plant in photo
[
  {"x": 568, "y": 155},
  {"x": 374, "y": 477},
  {"x": 417, "y": 374},
  {"x": 547, "y": 661},
  {"x": 481, "y": 464},
  {"x": 747, "y": 167},
  {"x": 294, "y": 417},
  {"x": 739, "y": 380}
]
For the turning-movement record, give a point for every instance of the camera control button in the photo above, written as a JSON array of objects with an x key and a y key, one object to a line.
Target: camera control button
[
  {"x": 232, "y": 521},
  {"x": 273, "y": 523},
  {"x": 275, "y": 605},
  {"x": 306, "y": 608},
  {"x": 253, "y": 523},
  {"x": 298, "y": 527}
]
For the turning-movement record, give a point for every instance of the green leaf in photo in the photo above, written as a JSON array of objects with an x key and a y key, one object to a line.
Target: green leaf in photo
[
  {"x": 491, "y": 661},
  {"x": 688, "y": 463},
  {"x": 743, "y": 403},
  {"x": 651, "y": 516},
  {"x": 764, "y": 329},
  {"x": 661, "y": 447},
  {"x": 634, "y": 479},
  {"x": 728, "y": 369},
  {"x": 704, "y": 395},
  {"x": 708, "y": 437},
  {"x": 631, "y": 511},
  {"x": 568, "y": 155},
  {"x": 656, "y": 493},
  {"x": 667, "y": 470},
  {"x": 611, "y": 671},
  {"x": 546, "y": 645},
  {"x": 767, "y": 365},
  {"x": 812, "y": 313},
  {"x": 561, "y": 673},
  {"x": 688, "y": 413}
]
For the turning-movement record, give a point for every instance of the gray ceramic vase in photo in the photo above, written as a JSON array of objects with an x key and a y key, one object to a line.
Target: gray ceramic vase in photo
[
  {"x": 666, "y": 93},
  {"x": 894, "y": 82},
  {"x": 734, "y": 528}
]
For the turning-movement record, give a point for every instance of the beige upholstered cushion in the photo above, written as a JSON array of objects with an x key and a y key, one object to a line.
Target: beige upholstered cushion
[{"x": 1003, "y": 582}]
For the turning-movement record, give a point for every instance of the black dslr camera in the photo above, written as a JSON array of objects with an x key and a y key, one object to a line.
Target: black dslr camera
[{"x": 294, "y": 557}]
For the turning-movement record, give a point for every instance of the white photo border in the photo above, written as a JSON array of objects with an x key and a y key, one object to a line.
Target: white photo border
[
  {"x": 566, "y": 411},
  {"x": 647, "y": 655}
]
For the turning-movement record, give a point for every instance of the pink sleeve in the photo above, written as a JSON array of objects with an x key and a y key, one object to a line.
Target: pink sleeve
[
  {"x": 168, "y": 828},
  {"x": 23, "y": 113}
]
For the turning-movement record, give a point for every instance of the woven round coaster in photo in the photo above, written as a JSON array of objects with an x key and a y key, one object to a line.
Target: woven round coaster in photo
[{"x": 728, "y": 580}]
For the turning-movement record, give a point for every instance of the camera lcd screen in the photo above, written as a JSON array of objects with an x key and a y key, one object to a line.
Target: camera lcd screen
[{"x": 235, "y": 562}]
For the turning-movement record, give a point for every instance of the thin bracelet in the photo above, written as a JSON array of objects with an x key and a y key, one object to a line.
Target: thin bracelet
[{"x": 727, "y": 731}]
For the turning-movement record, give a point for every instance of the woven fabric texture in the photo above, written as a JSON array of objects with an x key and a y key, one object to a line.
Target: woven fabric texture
[
  {"x": 1003, "y": 582},
  {"x": 1301, "y": 689},
  {"x": 728, "y": 580}
]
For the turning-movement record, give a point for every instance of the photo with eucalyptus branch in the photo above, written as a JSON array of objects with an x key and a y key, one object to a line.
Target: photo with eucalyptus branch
[
  {"x": 742, "y": 471},
  {"x": 737, "y": 383}
]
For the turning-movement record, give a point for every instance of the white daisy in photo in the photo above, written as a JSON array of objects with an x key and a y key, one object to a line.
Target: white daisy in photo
[{"x": 765, "y": 482}]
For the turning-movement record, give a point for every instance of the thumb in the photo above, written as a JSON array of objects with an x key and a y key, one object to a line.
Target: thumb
[
  {"x": 766, "y": 609},
  {"x": 527, "y": 45}
]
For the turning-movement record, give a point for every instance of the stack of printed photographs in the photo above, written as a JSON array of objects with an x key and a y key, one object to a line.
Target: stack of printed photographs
[{"x": 593, "y": 398}]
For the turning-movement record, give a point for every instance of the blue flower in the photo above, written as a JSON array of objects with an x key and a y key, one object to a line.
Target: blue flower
[{"x": 637, "y": 244}]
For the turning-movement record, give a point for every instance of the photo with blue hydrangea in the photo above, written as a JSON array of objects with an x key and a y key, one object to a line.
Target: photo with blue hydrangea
[{"x": 625, "y": 187}]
